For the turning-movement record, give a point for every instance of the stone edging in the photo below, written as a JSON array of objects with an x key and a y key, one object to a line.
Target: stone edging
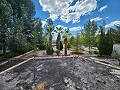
[
  {"x": 15, "y": 58},
  {"x": 16, "y": 65},
  {"x": 112, "y": 66}
]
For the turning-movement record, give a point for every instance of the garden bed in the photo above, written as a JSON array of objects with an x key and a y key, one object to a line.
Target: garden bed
[
  {"x": 16, "y": 60},
  {"x": 61, "y": 74}
]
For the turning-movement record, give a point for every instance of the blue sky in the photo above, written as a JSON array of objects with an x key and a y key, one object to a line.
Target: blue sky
[{"x": 73, "y": 14}]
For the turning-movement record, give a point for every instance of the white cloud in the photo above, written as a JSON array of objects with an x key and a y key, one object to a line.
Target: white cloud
[
  {"x": 63, "y": 10},
  {"x": 112, "y": 24},
  {"x": 43, "y": 23},
  {"x": 96, "y": 19},
  {"x": 76, "y": 28},
  {"x": 107, "y": 17},
  {"x": 103, "y": 8}
]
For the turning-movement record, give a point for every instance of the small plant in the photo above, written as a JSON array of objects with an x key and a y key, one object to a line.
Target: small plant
[
  {"x": 41, "y": 47},
  {"x": 48, "y": 51},
  {"x": 57, "y": 52},
  {"x": 68, "y": 45}
]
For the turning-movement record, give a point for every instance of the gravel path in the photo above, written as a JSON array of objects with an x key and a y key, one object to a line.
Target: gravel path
[{"x": 61, "y": 74}]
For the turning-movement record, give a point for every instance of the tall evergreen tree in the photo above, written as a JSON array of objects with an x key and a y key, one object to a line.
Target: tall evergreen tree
[
  {"x": 5, "y": 20},
  {"x": 89, "y": 34},
  {"x": 105, "y": 45},
  {"x": 102, "y": 41}
]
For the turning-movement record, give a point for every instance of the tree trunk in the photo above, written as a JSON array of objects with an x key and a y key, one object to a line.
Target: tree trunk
[
  {"x": 58, "y": 40},
  {"x": 4, "y": 50},
  {"x": 50, "y": 43},
  {"x": 65, "y": 42},
  {"x": 4, "y": 38}
]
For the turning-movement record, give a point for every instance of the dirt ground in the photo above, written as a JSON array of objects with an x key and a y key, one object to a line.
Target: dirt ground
[{"x": 61, "y": 74}]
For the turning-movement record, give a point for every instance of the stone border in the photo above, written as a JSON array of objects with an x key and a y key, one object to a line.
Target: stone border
[
  {"x": 16, "y": 65},
  {"x": 4, "y": 62},
  {"x": 56, "y": 57},
  {"x": 93, "y": 60}
]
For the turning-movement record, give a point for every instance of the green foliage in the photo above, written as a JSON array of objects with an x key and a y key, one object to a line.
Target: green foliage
[
  {"x": 71, "y": 40},
  {"x": 101, "y": 44},
  {"x": 48, "y": 51},
  {"x": 89, "y": 33},
  {"x": 41, "y": 47},
  {"x": 76, "y": 45},
  {"x": 57, "y": 52},
  {"x": 116, "y": 34},
  {"x": 5, "y": 21},
  {"x": 17, "y": 41},
  {"x": 59, "y": 43},
  {"x": 105, "y": 45},
  {"x": 49, "y": 29},
  {"x": 109, "y": 43},
  {"x": 8, "y": 56},
  {"x": 68, "y": 45}
]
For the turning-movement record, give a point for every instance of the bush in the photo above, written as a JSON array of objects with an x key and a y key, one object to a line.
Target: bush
[
  {"x": 8, "y": 56},
  {"x": 61, "y": 45},
  {"x": 68, "y": 45},
  {"x": 17, "y": 41},
  {"x": 57, "y": 52},
  {"x": 41, "y": 47},
  {"x": 48, "y": 51},
  {"x": 16, "y": 48}
]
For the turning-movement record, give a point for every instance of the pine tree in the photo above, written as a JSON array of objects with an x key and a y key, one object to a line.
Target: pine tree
[
  {"x": 5, "y": 21},
  {"x": 102, "y": 41},
  {"x": 105, "y": 45}
]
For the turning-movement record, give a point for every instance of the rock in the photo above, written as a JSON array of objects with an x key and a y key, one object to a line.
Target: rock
[{"x": 101, "y": 80}]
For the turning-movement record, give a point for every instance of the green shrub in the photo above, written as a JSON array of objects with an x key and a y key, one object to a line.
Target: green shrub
[
  {"x": 68, "y": 45},
  {"x": 57, "y": 52},
  {"x": 61, "y": 45},
  {"x": 41, "y": 47},
  {"x": 8, "y": 56},
  {"x": 48, "y": 51},
  {"x": 16, "y": 48}
]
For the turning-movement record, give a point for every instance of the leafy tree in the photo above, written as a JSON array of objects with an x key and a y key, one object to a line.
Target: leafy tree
[
  {"x": 17, "y": 41},
  {"x": 5, "y": 19},
  {"x": 38, "y": 27},
  {"x": 24, "y": 10}
]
